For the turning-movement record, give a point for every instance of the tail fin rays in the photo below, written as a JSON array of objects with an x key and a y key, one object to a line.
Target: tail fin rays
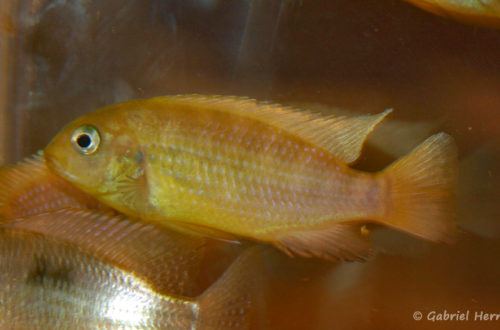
[{"x": 422, "y": 190}]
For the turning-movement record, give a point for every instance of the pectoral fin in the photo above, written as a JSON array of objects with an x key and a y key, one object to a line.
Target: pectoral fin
[
  {"x": 343, "y": 241},
  {"x": 134, "y": 191}
]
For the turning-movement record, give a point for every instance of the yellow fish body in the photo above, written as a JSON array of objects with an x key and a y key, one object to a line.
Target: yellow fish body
[
  {"x": 257, "y": 170},
  {"x": 478, "y": 12}
]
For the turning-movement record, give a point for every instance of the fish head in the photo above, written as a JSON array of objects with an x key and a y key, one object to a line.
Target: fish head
[{"x": 97, "y": 153}]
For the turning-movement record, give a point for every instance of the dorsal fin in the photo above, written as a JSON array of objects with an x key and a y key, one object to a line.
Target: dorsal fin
[
  {"x": 342, "y": 136},
  {"x": 165, "y": 258}
]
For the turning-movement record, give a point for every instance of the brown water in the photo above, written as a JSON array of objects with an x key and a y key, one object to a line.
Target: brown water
[{"x": 60, "y": 59}]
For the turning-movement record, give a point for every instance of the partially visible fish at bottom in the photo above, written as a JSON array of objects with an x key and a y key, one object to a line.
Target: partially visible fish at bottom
[
  {"x": 45, "y": 283},
  {"x": 33, "y": 199},
  {"x": 29, "y": 188},
  {"x": 168, "y": 260}
]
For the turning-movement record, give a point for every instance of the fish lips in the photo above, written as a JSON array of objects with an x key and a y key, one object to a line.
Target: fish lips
[{"x": 56, "y": 167}]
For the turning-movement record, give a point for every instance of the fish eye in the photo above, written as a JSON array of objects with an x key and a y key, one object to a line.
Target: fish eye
[{"x": 86, "y": 139}]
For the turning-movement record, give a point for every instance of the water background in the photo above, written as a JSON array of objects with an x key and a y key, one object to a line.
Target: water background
[{"x": 62, "y": 58}]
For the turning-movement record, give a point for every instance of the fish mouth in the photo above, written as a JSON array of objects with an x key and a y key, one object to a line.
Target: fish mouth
[{"x": 56, "y": 167}]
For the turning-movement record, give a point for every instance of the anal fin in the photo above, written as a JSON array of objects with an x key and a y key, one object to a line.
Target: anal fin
[
  {"x": 198, "y": 230},
  {"x": 343, "y": 241}
]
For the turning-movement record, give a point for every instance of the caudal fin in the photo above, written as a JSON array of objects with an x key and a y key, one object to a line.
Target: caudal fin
[
  {"x": 421, "y": 190},
  {"x": 233, "y": 300}
]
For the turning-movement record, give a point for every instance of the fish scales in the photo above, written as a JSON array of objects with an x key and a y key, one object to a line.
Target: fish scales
[
  {"x": 230, "y": 165},
  {"x": 271, "y": 187},
  {"x": 67, "y": 287},
  {"x": 50, "y": 284},
  {"x": 29, "y": 188},
  {"x": 34, "y": 199}
]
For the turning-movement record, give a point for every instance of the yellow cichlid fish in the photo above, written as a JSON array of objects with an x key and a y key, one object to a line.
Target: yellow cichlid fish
[
  {"x": 478, "y": 12},
  {"x": 262, "y": 171},
  {"x": 48, "y": 284}
]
